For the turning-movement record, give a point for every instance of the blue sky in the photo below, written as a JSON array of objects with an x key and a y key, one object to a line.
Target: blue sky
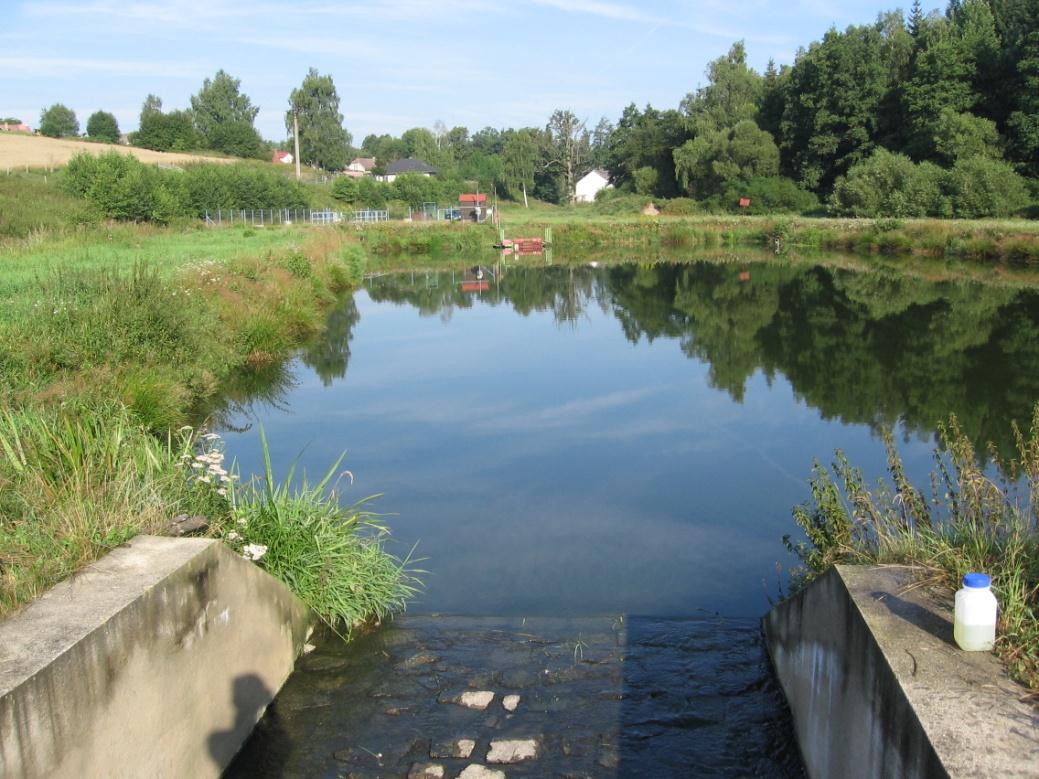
[{"x": 396, "y": 63}]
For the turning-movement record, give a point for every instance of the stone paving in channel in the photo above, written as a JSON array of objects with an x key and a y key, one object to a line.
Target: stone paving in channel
[{"x": 439, "y": 698}]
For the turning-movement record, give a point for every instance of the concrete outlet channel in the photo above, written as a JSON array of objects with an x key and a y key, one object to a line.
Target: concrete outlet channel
[
  {"x": 877, "y": 688},
  {"x": 160, "y": 659},
  {"x": 156, "y": 661}
]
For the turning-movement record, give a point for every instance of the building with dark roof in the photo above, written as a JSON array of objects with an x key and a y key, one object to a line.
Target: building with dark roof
[{"x": 409, "y": 165}]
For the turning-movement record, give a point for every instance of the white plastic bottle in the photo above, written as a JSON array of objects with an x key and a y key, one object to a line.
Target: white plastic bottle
[{"x": 974, "y": 621}]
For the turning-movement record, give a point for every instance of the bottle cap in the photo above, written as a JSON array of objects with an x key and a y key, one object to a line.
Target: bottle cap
[{"x": 979, "y": 580}]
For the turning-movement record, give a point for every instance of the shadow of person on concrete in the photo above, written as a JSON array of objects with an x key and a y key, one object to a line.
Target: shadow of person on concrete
[
  {"x": 250, "y": 697},
  {"x": 916, "y": 615}
]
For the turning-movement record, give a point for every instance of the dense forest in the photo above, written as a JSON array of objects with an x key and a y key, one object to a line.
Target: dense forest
[{"x": 933, "y": 114}]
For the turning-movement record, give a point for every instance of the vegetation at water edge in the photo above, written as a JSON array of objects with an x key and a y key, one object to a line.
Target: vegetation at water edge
[
  {"x": 101, "y": 370},
  {"x": 965, "y": 521}
]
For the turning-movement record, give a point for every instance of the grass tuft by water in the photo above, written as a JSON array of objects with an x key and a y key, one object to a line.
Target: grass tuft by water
[{"x": 331, "y": 555}]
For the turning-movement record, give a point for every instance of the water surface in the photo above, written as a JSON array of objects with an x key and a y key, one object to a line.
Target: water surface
[{"x": 630, "y": 439}]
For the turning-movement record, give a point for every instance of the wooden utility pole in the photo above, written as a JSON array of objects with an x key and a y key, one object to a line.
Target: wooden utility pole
[{"x": 295, "y": 135}]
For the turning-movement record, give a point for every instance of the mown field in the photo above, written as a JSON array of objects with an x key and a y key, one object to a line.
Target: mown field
[{"x": 36, "y": 151}]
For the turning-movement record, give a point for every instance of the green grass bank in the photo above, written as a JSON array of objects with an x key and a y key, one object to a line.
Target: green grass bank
[
  {"x": 981, "y": 240},
  {"x": 112, "y": 341}
]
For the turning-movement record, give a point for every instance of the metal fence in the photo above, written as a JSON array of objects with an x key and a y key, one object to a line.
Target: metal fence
[{"x": 288, "y": 216}]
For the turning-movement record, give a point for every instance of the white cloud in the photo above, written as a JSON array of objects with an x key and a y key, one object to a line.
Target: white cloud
[
  {"x": 69, "y": 66},
  {"x": 192, "y": 13},
  {"x": 606, "y": 10}
]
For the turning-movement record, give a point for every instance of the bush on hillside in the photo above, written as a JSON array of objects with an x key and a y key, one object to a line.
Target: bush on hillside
[
  {"x": 889, "y": 185},
  {"x": 212, "y": 185},
  {"x": 174, "y": 131},
  {"x": 238, "y": 139},
  {"x": 371, "y": 193},
  {"x": 769, "y": 195},
  {"x": 124, "y": 188},
  {"x": 980, "y": 187},
  {"x": 345, "y": 189}
]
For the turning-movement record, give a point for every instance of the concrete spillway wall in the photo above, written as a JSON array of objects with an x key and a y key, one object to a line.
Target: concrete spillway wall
[
  {"x": 877, "y": 688},
  {"x": 156, "y": 661}
]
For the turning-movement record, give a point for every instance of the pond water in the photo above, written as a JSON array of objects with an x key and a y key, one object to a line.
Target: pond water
[
  {"x": 630, "y": 439},
  {"x": 620, "y": 443}
]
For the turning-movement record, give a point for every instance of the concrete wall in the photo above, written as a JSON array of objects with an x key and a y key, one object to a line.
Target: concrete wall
[
  {"x": 157, "y": 661},
  {"x": 877, "y": 688}
]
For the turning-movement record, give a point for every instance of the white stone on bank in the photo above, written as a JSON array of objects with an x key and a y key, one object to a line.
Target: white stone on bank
[{"x": 426, "y": 771}]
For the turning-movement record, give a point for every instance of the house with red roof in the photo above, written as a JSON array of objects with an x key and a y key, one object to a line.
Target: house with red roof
[{"x": 473, "y": 207}]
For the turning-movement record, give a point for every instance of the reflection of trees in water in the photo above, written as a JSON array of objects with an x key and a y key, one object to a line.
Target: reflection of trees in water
[
  {"x": 869, "y": 348},
  {"x": 329, "y": 354},
  {"x": 565, "y": 291},
  {"x": 873, "y": 348},
  {"x": 261, "y": 386},
  {"x": 268, "y": 385}
]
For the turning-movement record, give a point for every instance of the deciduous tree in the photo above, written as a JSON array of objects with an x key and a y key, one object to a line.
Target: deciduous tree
[
  {"x": 713, "y": 159},
  {"x": 102, "y": 126},
  {"x": 520, "y": 158},
  {"x": 832, "y": 110},
  {"x": 567, "y": 147},
  {"x": 323, "y": 141},
  {"x": 732, "y": 94},
  {"x": 224, "y": 116},
  {"x": 58, "y": 121},
  {"x": 173, "y": 131}
]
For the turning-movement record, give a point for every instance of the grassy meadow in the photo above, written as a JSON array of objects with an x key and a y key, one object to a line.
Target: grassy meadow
[{"x": 112, "y": 338}]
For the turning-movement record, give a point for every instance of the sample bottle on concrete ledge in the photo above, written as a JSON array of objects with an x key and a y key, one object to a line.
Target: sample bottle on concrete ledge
[{"x": 974, "y": 622}]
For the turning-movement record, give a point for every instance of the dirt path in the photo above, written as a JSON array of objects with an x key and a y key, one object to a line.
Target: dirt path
[{"x": 19, "y": 151}]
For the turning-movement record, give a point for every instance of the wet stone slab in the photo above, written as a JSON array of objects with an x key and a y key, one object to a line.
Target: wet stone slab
[{"x": 547, "y": 697}]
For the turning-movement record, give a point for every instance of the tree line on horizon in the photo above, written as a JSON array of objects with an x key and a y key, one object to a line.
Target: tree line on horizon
[{"x": 920, "y": 115}]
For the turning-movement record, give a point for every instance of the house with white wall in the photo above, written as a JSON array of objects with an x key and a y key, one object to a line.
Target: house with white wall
[
  {"x": 400, "y": 167},
  {"x": 591, "y": 183},
  {"x": 360, "y": 167}
]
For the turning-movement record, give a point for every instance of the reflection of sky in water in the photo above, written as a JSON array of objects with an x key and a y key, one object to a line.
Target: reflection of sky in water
[{"x": 548, "y": 469}]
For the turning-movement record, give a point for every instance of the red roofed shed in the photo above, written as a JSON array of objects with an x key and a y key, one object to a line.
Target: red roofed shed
[{"x": 473, "y": 206}]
